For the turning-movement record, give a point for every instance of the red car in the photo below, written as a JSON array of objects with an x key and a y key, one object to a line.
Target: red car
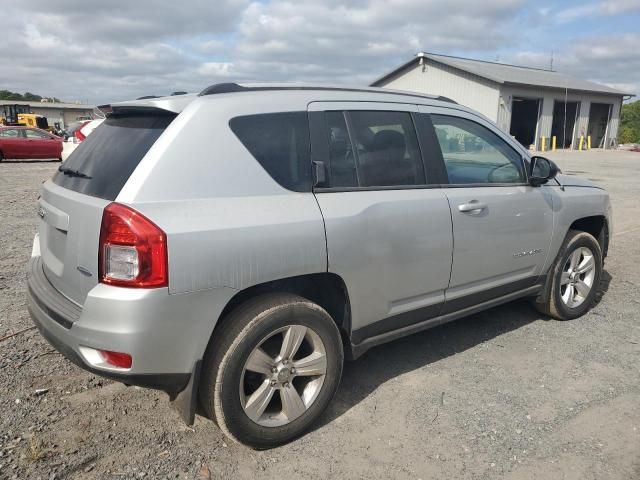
[{"x": 26, "y": 142}]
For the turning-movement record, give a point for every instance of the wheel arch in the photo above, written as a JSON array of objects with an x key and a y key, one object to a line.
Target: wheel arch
[
  {"x": 597, "y": 226},
  {"x": 326, "y": 289}
]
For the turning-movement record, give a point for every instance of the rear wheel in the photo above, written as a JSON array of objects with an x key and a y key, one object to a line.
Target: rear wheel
[
  {"x": 271, "y": 370},
  {"x": 1, "y": 157},
  {"x": 576, "y": 276}
]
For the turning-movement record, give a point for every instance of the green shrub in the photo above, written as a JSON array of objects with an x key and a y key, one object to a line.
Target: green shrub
[{"x": 630, "y": 123}]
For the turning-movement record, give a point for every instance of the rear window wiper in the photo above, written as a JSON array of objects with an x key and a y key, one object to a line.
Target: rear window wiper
[{"x": 72, "y": 173}]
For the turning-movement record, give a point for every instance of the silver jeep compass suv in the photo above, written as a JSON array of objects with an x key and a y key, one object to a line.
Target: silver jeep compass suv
[{"x": 231, "y": 248}]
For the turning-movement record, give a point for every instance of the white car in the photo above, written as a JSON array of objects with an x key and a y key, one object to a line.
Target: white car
[
  {"x": 79, "y": 135},
  {"x": 84, "y": 131}
]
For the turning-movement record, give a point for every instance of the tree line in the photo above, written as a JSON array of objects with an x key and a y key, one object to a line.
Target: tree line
[{"x": 27, "y": 96}]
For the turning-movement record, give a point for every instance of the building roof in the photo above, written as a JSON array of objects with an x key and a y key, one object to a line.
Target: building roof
[
  {"x": 56, "y": 105},
  {"x": 509, "y": 74}
]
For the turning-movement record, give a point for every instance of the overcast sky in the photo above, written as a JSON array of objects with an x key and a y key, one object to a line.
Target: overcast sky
[{"x": 119, "y": 49}]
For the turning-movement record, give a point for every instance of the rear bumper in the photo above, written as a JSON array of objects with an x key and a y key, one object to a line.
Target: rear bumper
[
  {"x": 55, "y": 316},
  {"x": 166, "y": 335},
  {"x": 171, "y": 383}
]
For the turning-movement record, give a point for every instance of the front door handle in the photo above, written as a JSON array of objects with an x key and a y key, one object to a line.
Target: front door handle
[{"x": 474, "y": 206}]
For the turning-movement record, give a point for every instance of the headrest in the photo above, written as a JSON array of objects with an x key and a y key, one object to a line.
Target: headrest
[{"x": 388, "y": 139}]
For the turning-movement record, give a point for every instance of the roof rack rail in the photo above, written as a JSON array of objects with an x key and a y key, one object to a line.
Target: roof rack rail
[
  {"x": 234, "y": 87},
  {"x": 147, "y": 97},
  {"x": 223, "y": 88}
]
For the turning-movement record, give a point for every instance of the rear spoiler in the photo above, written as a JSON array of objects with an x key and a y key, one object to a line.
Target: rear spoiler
[
  {"x": 133, "y": 110},
  {"x": 149, "y": 106}
]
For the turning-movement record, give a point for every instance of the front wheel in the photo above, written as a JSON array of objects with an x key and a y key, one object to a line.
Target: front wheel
[
  {"x": 271, "y": 369},
  {"x": 576, "y": 276}
]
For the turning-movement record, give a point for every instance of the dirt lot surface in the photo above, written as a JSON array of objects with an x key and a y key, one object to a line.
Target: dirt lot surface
[{"x": 503, "y": 394}]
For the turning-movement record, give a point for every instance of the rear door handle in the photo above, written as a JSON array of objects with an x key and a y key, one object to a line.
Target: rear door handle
[{"x": 474, "y": 206}]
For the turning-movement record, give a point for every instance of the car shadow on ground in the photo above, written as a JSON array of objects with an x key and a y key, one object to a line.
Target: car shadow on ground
[{"x": 362, "y": 377}]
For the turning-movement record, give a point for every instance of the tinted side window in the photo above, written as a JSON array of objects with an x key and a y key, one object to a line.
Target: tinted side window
[
  {"x": 280, "y": 143},
  {"x": 474, "y": 154},
  {"x": 386, "y": 148}
]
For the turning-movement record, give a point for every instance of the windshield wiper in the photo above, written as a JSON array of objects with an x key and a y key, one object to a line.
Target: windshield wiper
[{"x": 72, "y": 173}]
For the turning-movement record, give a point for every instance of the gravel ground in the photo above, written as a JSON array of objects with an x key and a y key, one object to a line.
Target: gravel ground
[{"x": 503, "y": 394}]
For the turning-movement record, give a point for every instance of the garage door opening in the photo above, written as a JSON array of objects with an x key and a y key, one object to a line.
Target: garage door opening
[
  {"x": 599, "y": 115},
  {"x": 565, "y": 115},
  {"x": 524, "y": 120}
]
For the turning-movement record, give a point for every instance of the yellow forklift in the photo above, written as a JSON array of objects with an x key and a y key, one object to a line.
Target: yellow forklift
[{"x": 21, "y": 115}]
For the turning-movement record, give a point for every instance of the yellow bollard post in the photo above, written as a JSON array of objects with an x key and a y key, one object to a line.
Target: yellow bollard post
[
  {"x": 581, "y": 142},
  {"x": 588, "y": 142},
  {"x": 553, "y": 143},
  {"x": 543, "y": 144}
]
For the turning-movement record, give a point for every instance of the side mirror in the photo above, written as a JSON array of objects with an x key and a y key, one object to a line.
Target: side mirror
[{"x": 542, "y": 170}]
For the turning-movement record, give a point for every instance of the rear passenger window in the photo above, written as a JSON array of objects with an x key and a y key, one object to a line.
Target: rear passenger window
[
  {"x": 280, "y": 143},
  {"x": 379, "y": 149},
  {"x": 474, "y": 154}
]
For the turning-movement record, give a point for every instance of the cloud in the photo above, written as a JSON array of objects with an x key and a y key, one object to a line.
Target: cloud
[
  {"x": 612, "y": 60},
  {"x": 115, "y": 50},
  {"x": 615, "y": 7},
  {"x": 127, "y": 21},
  {"x": 604, "y": 7},
  {"x": 331, "y": 42},
  {"x": 574, "y": 13}
]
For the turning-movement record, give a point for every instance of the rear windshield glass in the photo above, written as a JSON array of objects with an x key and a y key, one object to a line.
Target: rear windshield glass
[
  {"x": 280, "y": 143},
  {"x": 110, "y": 154}
]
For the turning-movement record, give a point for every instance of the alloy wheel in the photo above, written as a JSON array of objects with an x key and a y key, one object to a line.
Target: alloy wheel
[
  {"x": 283, "y": 376},
  {"x": 578, "y": 274}
]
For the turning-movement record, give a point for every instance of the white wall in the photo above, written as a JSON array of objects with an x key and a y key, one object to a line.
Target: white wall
[
  {"x": 437, "y": 79},
  {"x": 62, "y": 115}
]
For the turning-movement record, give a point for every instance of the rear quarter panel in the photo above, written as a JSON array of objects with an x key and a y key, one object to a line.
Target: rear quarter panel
[
  {"x": 240, "y": 242},
  {"x": 228, "y": 223}
]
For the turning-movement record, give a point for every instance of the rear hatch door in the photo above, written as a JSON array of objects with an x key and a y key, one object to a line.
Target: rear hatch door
[{"x": 72, "y": 202}]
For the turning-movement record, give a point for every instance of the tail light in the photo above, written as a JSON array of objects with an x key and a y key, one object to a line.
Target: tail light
[
  {"x": 132, "y": 250},
  {"x": 79, "y": 136}
]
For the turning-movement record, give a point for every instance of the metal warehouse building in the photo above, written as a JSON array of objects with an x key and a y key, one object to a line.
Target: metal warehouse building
[
  {"x": 62, "y": 113},
  {"x": 531, "y": 104}
]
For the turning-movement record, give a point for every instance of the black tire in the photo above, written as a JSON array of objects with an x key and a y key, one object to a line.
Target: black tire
[
  {"x": 235, "y": 339},
  {"x": 554, "y": 306},
  {"x": 1, "y": 157}
]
